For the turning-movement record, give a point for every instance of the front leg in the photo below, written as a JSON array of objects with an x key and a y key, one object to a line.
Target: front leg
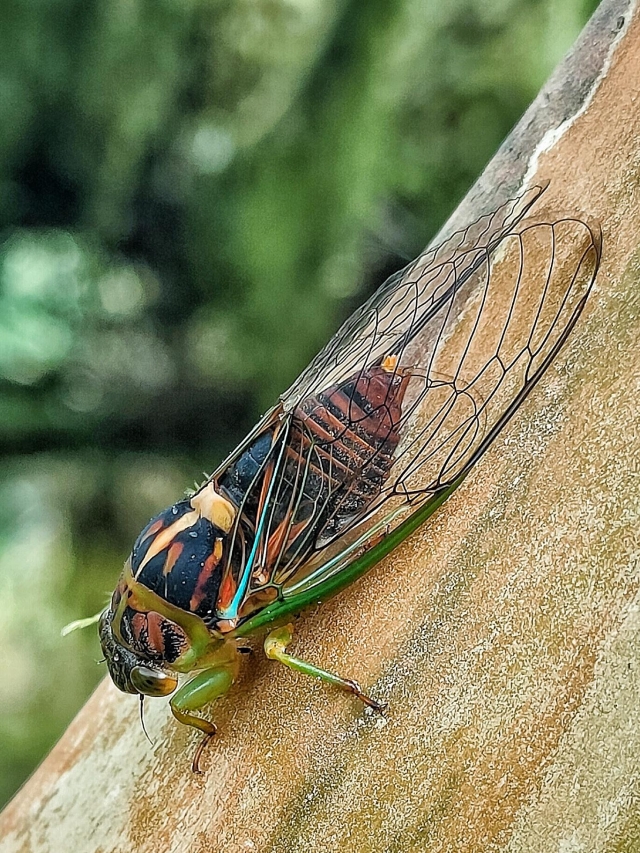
[
  {"x": 195, "y": 694},
  {"x": 275, "y": 647}
]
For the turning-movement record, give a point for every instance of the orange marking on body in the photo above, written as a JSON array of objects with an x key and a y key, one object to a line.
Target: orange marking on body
[
  {"x": 163, "y": 538},
  {"x": 175, "y": 549},
  {"x": 277, "y": 542},
  {"x": 264, "y": 491},
  {"x": 214, "y": 507},
  {"x": 154, "y": 632},
  {"x": 207, "y": 570},
  {"x": 268, "y": 474},
  {"x": 138, "y": 624},
  {"x": 225, "y": 626},
  {"x": 157, "y": 525},
  {"x": 147, "y": 633},
  {"x": 227, "y": 591}
]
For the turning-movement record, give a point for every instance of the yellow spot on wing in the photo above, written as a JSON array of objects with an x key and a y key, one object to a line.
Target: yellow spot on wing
[{"x": 389, "y": 363}]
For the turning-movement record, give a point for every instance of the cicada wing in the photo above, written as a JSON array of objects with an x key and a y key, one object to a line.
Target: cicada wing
[
  {"x": 475, "y": 361},
  {"x": 406, "y": 299},
  {"x": 482, "y": 360},
  {"x": 407, "y": 396},
  {"x": 403, "y": 306}
]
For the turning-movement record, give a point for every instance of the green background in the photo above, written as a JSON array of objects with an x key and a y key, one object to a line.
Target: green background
[{"x": 193, "y": 195}]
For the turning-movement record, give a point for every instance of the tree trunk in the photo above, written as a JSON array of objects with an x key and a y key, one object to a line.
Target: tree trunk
[{"x": 505, "y": 634}]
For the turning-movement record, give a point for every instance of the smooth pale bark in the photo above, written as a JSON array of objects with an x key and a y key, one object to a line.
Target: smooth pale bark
[{"x": 505, "y": 634}]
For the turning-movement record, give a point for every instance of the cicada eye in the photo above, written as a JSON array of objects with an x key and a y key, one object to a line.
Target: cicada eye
[{"x": 152, "y": 682}]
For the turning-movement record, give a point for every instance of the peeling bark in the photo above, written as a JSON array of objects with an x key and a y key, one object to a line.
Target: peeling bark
[{"x": 505, "y": 634}]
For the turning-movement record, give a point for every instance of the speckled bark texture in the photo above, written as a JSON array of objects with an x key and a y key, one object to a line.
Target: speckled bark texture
[{"x": 505, "y": 634}]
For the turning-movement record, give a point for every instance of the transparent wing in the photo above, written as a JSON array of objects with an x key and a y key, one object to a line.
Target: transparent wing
[
  {"x": 474, "y": 364},
  {"x": 410, "y": 393},
  {"x": 480, "y": 355}
]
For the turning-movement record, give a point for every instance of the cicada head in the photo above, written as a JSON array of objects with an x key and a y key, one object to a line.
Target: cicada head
[
  {"x": 157, "y": 622},
  {"x": 130, "y": 672}
]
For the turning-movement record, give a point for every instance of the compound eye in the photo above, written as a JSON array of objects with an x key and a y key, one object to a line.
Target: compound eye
[{"x": 152, "y": 682}]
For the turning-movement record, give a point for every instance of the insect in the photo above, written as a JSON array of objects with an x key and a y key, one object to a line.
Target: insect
[{"x": 372, "y": 438}]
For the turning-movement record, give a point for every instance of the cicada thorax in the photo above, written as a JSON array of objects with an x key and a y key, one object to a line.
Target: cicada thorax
[{"x": 177, "y": 558}]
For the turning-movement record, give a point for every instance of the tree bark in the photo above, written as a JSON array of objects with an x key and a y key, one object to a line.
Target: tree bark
[{"x": 505, "y": 634}]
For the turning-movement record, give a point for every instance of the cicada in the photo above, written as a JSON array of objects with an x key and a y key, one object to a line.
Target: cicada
[{"x": 377, "y": 432}]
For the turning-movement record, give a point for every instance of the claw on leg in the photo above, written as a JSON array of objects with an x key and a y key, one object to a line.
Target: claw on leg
[
  {"x": 354, "y": 687},
  {"x": 195, "y": 764}
]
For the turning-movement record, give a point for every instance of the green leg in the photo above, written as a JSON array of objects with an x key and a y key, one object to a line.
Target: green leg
[
  {"x": 204, "y": 688},
  {"x": 275, "y": 648}
]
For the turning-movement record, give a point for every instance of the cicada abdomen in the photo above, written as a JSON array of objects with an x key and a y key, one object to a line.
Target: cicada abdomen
[
  {"x": 342, "y": 442},
  {"x": 310, "y": 478}
]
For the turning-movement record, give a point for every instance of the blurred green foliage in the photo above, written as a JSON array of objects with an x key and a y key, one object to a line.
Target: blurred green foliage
[{"x": 193, "y": 194}]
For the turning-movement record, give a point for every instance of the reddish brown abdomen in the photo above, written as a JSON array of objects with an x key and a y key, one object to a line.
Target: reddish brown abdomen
[{"x": 346, "y": 437}]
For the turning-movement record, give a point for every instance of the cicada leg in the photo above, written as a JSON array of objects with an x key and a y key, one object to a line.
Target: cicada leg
[
  {"x": 275, "y": 647},
  {"x": 208, "y": 685}
]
